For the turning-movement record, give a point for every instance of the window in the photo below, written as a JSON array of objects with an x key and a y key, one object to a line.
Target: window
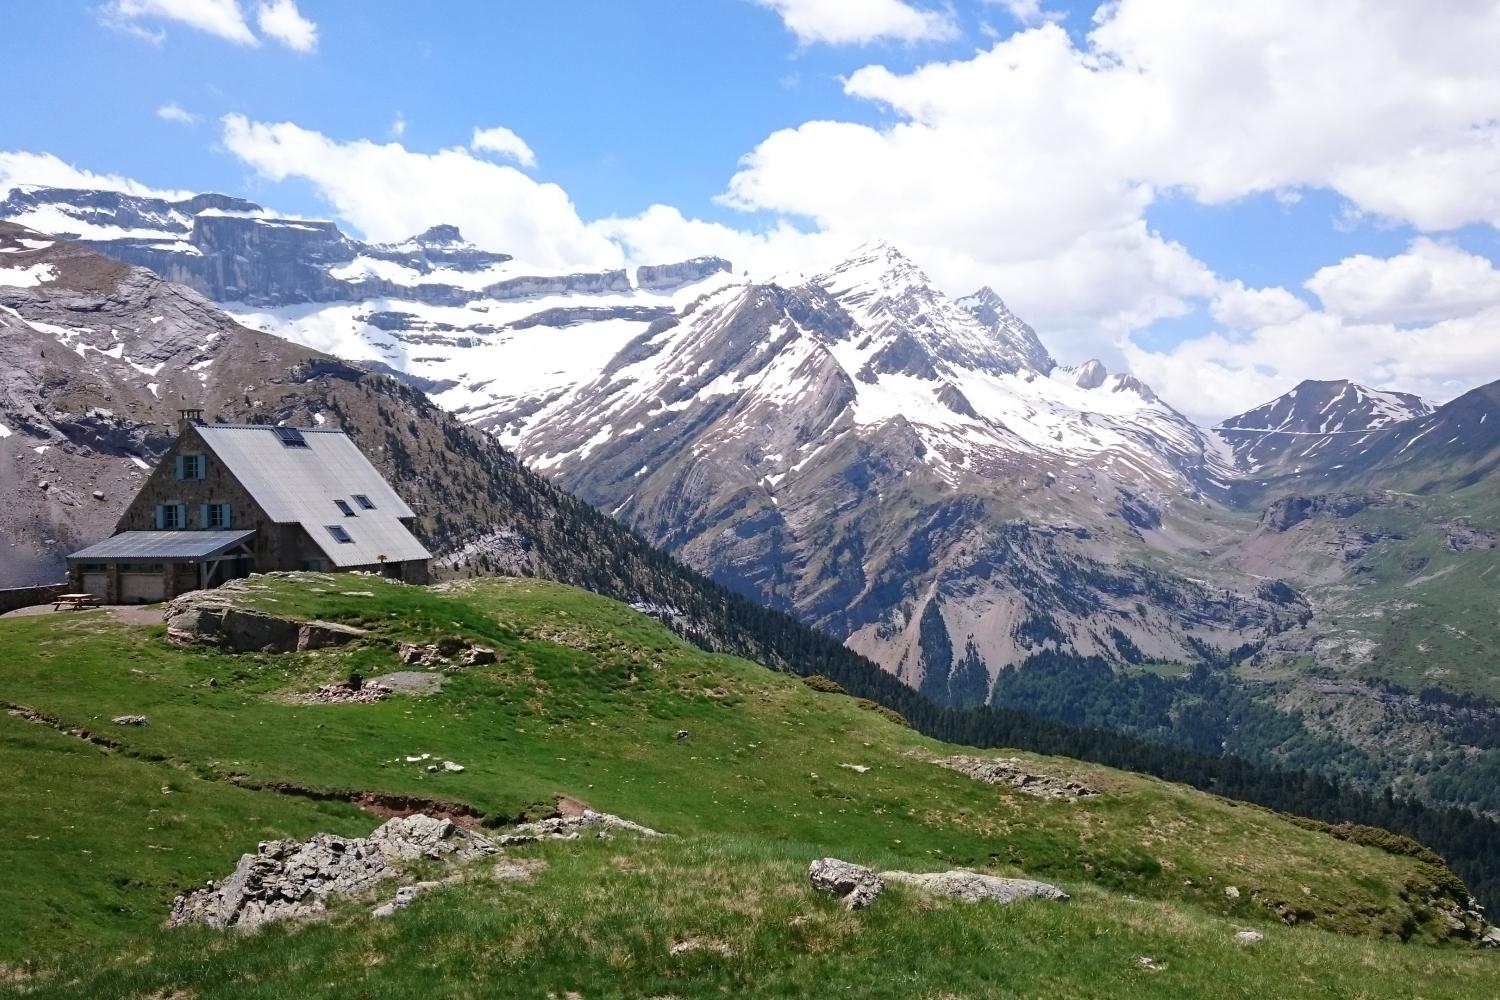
[
  {"x": 171, "y": 516},
  {"x": 339, "y": 534},
  {"x": 215, "y": 516},
  {"x": 291, "y": 437},
  {"x": 344, "y": 508},
  {"x": 312, "y": 565},
  {"x": 363, "y": 501},
  {"x": 190, "y": 466}
]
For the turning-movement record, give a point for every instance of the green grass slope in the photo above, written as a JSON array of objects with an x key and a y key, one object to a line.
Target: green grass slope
[{"x": 586, "y": 701}]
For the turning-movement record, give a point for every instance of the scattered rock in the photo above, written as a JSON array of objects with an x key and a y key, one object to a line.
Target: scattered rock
[
  {"x": 1232, "y": 892},
  {"x": 441, "y": 654},
  {"x": 344, "y": 693},
  {"x": 691, "y": 944},
  {"x": 680, "y": 735},
  {"x": 1249, "y": 937},
  {"x": 290, "y": 879},
  {"x": 477, "y": 656},
  {"x": 602, "y": 825},
  {"x": 972, "y": 887},
  {"x": 130, "y": 720},
  {"x": 1149, "y": 964},
  {"x": 453, "y": 767},
  {"x": 405, "y": 895},
  {"x": 1490, "y": 938},
  {"x": 98, "y": 494},
  {"x": 856, "y": 768},
  {"x": 1011, "y": 771},
  {"x": 856, "y": 885}
]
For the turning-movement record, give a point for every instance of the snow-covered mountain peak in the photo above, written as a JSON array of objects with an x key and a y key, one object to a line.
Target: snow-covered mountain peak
[{"x": 1309, "y": 418}]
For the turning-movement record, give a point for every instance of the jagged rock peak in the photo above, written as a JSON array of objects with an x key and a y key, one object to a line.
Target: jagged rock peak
[
  {"x": 1017, "y": 339},
  {"x": 442, "y": 234},
  {"x": 1090, "y": 375}
]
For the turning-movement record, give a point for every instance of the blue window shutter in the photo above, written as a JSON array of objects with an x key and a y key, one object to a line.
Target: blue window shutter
[
  {"x": 228, "y": 523},
  {"x": 182, "y": 515},
  {"x": 202, "y": 467},
  {"x": 161, "y": 515},
  {"x": 179, "y": 467},
  {"x": 203, "y": 516}
]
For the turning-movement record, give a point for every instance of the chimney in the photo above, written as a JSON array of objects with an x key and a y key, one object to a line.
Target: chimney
[{"x": 188, "y": 418}]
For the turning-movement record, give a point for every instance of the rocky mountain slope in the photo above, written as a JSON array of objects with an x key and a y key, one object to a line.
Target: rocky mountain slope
[
  {"x": 479, "y": 328},
  {"x": 1312, "y": 424},
  {"x": 909, "y": 472}
]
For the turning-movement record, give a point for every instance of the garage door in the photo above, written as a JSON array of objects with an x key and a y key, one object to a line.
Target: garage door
[
  {"x": 142, "y": 588},
  {"x": 96, "y": 584}
]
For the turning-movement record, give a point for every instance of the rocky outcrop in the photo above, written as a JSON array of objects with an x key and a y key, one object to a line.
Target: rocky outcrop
[
  {"x": 972, "y": 887},
  {"x": 1463, "y": 538},
  {"x": 1288, "y": 512},
  {"x": 447, "y": 652},
  {"x": 856, "y": 885},
  {"x": 596, "y": 824},
  {"x": 291, "y": 879},
  {"x": 207, "y": 618},
  {"x": 1012, "y": 772},
  {"x": 666, "y": 277},
  {"x": 562, "y": 317}
]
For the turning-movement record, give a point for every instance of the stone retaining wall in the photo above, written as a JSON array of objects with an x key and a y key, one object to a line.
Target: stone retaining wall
[{"x": 12, "y": 598}]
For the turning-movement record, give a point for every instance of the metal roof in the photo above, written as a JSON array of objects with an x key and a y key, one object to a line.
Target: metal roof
[
  {"x": 299, "y": 484},
  {"x": 162, "y": 546}
]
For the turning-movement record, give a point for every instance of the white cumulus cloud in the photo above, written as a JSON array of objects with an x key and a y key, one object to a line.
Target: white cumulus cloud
[
  {"x": 503, "y": 142},
  {"x": 281, "y": 20},
  {"x": 858, "y": 22},
  {"x": 389, "y": 192},
  {"x": 46, "y": 170},
  {"x": 222, "y": 18},
  {"x": 1431, "y": 281},
  {"x": 173, "y": 112}
]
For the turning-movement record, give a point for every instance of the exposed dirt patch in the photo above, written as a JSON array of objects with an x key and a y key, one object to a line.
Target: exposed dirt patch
[{"x": 569, "y": 807}]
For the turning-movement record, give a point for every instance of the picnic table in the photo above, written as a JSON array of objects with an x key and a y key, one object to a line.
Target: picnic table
[{"x": 74, "y": 602}]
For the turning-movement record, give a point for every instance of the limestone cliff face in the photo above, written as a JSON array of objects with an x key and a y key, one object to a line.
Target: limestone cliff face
[{"x": 665, "y": 277}]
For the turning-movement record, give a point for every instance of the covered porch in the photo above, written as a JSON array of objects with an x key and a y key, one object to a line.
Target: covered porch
[{"x": 142, "y": 567}]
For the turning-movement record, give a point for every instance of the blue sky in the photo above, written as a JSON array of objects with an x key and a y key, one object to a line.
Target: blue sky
[{"x": 1148, "y": 186}]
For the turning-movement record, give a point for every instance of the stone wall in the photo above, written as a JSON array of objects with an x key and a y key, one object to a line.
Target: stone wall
[{"x": 12, "y": 598}]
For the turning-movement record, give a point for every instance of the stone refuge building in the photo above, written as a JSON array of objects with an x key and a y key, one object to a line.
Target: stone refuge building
[{"x": 228, "y": 500}]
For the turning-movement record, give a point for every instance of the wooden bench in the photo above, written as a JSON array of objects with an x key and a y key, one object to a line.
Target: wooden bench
[{"x": 74, "y": 602}]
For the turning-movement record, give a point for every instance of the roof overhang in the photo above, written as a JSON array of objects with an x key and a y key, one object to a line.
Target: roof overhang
[{"x": 163, "y": 546}]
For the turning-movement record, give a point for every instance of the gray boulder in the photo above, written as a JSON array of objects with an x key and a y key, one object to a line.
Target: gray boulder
[
  {"x": 972, "y": 887},
  {"x": 856, "y": 885},
  {"x": 1249, "y": 937}
]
